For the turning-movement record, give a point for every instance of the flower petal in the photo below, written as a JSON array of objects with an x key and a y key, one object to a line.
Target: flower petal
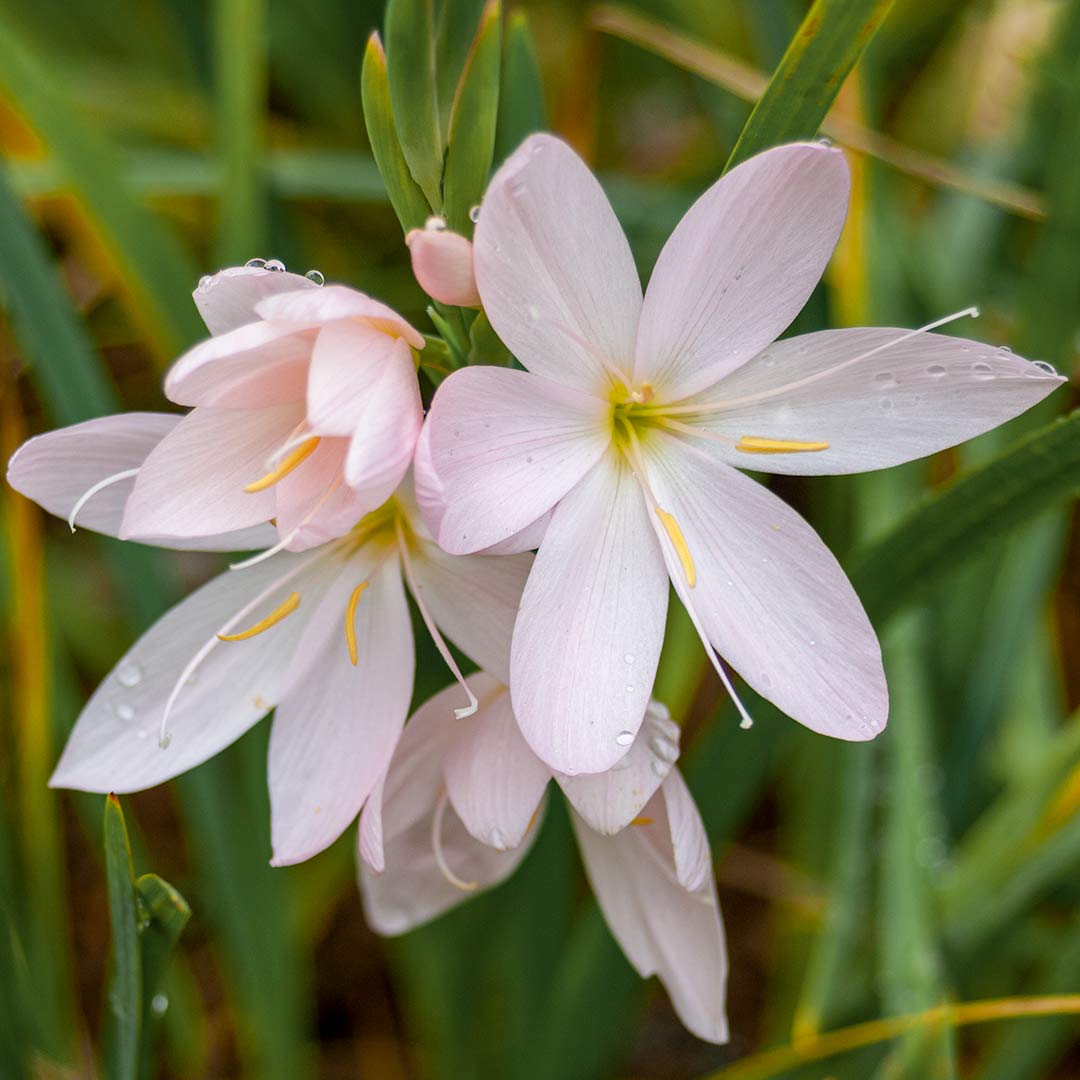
[
  {"x": 227, "y": 299},
  {"x": 474, "y": 600},
  {"x": 587, "y": 640},
  {"x": 192, "y": 483},
  {"x": 431, "y": 502},
  {"x": 334, "y": 732},
  {"x": 114, "y": 746},
  {"x": 506, "y": 446},
  {"x": 494, "y": 781},
  {"x": 255, "y": 365},
  {"x": 912, "y": 398},
  {"x": 59, "y": 468},
  {"x": 338, "y": 302},
  {"x": 771, "y": 597},
  {"x": 554, "y": 268},
  {"x": 609, "y": 801},
  {"x": 664, "y": 926},
  {"x": 740, "y": 266}
]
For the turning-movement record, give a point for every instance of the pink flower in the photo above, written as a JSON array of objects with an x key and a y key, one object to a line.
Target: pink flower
[
  {"x": 631, "y": 417},
  {"x": 326, "y": 638},
  {"x": 442, "y": 263},
  {"x": 456, "y": 812}
]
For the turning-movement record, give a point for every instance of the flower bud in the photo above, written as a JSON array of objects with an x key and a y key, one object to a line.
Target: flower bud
[{"x": 442, "y": 262}]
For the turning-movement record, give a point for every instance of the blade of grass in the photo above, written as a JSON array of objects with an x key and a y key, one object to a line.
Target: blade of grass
[{"x": 521, "y": 96}]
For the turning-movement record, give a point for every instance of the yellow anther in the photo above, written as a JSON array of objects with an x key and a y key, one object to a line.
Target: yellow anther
[
  {"x": 642, "y": 821},
  {"x": 288, "y": 463},
  {"x": 679, "y": 543},
  {"x": 643, "y": 395},
  {"x": 754, "y": 444},
  {"x": 287, "y": 607},
  {"x": 350, "y": 621}
]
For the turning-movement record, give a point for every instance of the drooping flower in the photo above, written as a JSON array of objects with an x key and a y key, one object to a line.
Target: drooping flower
[
  {"x": 442, "y": 263},
  {"x": 457, "y": 812},
  {"x": 306, "y": 413},
  {"x": 325, "y": 637},
  {"x": 633, "y": 417}
]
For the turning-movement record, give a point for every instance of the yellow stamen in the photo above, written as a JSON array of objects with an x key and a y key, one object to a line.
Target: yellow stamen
[
  {"x": 350, "y": 621},
  {"x": 643, "y": 395},
  {"x": 641, "y": 821},
  {"x": 290, "y": 604},
  {"x": 754, "y": 444},
  {"x": 679, "y": 542},
  {"x": 288, "y": 463}
]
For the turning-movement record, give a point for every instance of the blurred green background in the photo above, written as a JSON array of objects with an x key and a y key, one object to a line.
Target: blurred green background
[{"x": 146, "y": 142}]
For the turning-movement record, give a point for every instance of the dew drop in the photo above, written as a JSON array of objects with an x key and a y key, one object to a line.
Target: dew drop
[
  {"x": 255, "y": 264},
  {"x": 1004, "y": 349},
  {"x": 812, "y": 641},
  {"x": 885, "y": 378},
  {"x": 275, "y": 266},
  {"x": 629, "y": 688},
  {"x": 1044, "y": 367},
  {"x": 204, "y": 281},
  {"x": 982, "y": 370},
  {"x": 159, "y": 1004},
  {"x": 628, "y": 658},
  {"x": 474, "y": 214},
  {"x": 624, "y": 738},
  {"x": 125, "y": 713},
  {"x": 129, "y": 675},
  {"x": 936, "y": 370},
  {"x": 887, "y": 404},
  {"x": 528, "y": 459},
  {"x": 823, "y": 141},
  {"x": 730, "y": 582},
  {"x": 435, "y": 223},
  {"x": 317, "y": 276}
]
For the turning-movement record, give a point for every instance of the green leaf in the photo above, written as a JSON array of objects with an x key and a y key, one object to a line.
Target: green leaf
[
  {"x": 472, "y": 124},
  {"x": 455, "y": 24},
  {"x": 969, "y": 516},
  {"x": 407, "y": 199},
  {"x": 808, "y": 78},
  {"x": 125, "y": 992},
  {"x": 521, "y": 97},
  {"x": 410, "y": 59},
  {"x": 157, "y": 273}
]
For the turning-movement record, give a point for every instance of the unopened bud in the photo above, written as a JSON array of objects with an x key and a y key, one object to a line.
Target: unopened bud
[{"x": 442, "y": 262}]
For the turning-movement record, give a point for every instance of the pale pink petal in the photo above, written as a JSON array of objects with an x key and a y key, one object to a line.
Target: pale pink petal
[
  {"x": 396, "y": 828},
  {"x": 442, "y": 263},
  {"x": 431, "y": 502},
  {"x": 474, "y": 601},
  {"x": 115, "y": 747},
  {"x": 554, "y": 268},
  {"x": 740, "y": 266},
  {"x": 305, "y": 501},
  {"x": 771, "y": 597},
  {"x": 664, "y": 927},
  {"x": 255, "y": 365},
  {"x": 192, "y": 483},
  {"x": 506, "y": 446},
  {"x": 338, "y": 302},
  {"x": 911, "y": 398},
  {"x": 588, "y": 637},
  {"x": 227, "y": 299},
  {"x": 335, "y": 730},
  {"x": 494, "y": 781},
  {"x": 609, "y": 801},
  {"x": 60, "y": 470}
]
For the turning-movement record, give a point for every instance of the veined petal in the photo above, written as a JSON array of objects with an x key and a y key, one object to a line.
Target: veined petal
[
  {"x": 740, "y": 266},
  {"x": 60, "y": 470},
  {"x": 474, "y": 600},
  {"x": 114, "y": 746},
  {"x": 506, "y": 446},
  {"x": 338, "y": 302},
  {"x": 910, "y": 398},
  {"x": 771, "y": 597},
  {"x": 609, "y": 801},
  {"x": 255, "y": 365},
  {"x": 431, "y": 502},
  {"x": 227, "y": 299},
  {"x": 192, "y": 483},
  {"x": 494, "y": 781},
  {"x": 335, "y": 730},
  {"x": 588, "y": 637},
  {"x": 554, "y": 268},
  {"x": 665, "y": 926}
]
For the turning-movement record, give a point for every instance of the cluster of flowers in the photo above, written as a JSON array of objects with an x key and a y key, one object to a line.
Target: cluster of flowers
[{"x": 613, "y": 454}]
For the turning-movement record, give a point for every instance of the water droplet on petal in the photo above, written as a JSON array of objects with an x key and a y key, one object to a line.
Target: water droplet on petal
[
  {"x": 435, "y": 223},
  {"x": 124, "y": 712},
  {"x": 823, "y": 141},
  {"x": 255, "y": 264},
  {"x": 474, "y": 214},
  {"x": 624, "y": 738},
  {"x": 886, "y": 404},
  {"x": 885, "y": 378},
  {"x": 159, "y": 1003},
  {"x": 129, "y": 674},
  {"x": 275, "y": 265},
  {"x": 317, "y": 276},
  {"x": 628, "y": 658},
  {"x": 629, "y": 688},
  {"x": 1004, "y": 349},
  {"x": 982, "y": 370},
  {"x": 1044, "y": 367},
  {"x": 936, "y": 370}
]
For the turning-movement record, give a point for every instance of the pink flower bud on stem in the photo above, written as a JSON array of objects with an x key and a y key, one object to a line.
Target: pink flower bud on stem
[{"x": 442, "y": 262}]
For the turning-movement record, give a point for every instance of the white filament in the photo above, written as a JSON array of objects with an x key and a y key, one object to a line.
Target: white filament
[
  {"x": 91, "y": 491},
  {"x": 436, "y": 847}
]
